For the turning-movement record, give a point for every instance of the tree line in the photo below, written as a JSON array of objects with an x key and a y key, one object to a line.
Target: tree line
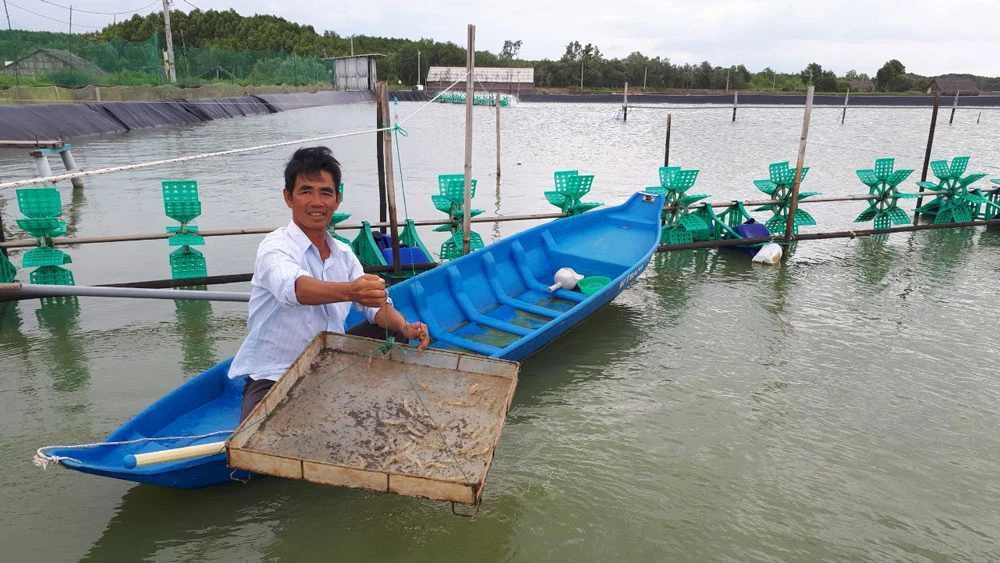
[{"x": 581, "y": 66}]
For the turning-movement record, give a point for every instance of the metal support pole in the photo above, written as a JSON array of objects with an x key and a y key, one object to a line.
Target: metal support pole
[
  {"x": 382, "y": 93},
  {"x": 790, "y": 221},
  {"x": 666, "y": 148},
  {"x": 70, "y": 164},
  {"x": 470, "y": 67},
  {"x": 42, "y": 164},
  {"x": 18, "y": 290},
  {"x": 927, "y": 153}
]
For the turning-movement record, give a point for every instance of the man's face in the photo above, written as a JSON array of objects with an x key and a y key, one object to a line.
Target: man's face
[{"x": 313, "y": 201}]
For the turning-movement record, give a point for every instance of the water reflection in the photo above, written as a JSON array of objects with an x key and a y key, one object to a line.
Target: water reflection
[
  {"x": 60, "y": 316},
  {"x": 78, "y": 202},
  {"x": 273, "y": 519},
  {"x": 194, "y": 327},
  {"x": 496, "y": 209},
  {"x": 10, "y": 328}
]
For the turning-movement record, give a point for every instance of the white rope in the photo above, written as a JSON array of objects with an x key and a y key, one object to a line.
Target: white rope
[
  {"x": 43, "y": 460},
  {"x": 84, "y": 174},
  {"x": 101, "y": 171}
]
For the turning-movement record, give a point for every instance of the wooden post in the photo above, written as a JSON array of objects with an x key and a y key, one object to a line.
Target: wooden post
[
  {"x": 382, "y": 92},
  {"x": 735, "y": 101},
  {"x": 980, "y": 116},
  {"x": 666, "y": 148},
  {"x": 790, "y": 221},
  {"x": 498, "y": 137},
  {"x": 380, "y": 162},
  {"x": 953, "y": 106},
  {"x": 625, "y": 105},
  {"x": 470, "y": 67},
  {"x": 927, "y": 153},
  {"x": 844, "y": 113}
]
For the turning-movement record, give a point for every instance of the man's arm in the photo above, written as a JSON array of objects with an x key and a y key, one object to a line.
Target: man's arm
[
  {"x": 367, "y": 290},
  {"x": 388, "y": 317}
]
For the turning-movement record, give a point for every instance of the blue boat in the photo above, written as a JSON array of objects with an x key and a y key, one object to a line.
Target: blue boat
[{"x": 494, "y": 302}]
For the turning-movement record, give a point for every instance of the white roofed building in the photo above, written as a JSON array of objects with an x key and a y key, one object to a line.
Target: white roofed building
[{"x": 493, "y": 79}]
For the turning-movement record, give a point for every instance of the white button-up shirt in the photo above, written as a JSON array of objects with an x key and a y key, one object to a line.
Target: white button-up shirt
[{"x": 280, "y": 326}]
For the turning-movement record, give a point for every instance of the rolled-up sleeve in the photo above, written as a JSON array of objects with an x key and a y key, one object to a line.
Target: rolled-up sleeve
[{"x": 276, "y": 271}]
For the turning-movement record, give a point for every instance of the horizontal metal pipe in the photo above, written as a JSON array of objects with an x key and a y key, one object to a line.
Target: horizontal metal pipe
[
  {"x": 63, "y": 241},
  {"x": 822, "y": 236},
  {"x": 16, "y": 291}
]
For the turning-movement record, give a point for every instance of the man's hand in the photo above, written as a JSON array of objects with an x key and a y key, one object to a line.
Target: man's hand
[
  {"x": 368, "y": 290},
  {"x": 418, "y": 331}
]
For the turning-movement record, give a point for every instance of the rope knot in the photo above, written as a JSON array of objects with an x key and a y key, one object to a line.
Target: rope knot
[{"x": 396, "y": 127}]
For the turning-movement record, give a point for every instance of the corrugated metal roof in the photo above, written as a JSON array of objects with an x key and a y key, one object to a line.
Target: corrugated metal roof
[{"x": 484, "y": 74}]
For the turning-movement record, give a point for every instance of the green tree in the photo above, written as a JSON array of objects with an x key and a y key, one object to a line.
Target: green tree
[
  {"x": 510, "y": 50},
  {"x": 889, "y": 71}
]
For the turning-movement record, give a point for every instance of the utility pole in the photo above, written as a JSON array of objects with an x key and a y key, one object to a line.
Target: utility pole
[
  {"x": 170, "y": 41},
  {"x": 581, "y": 72},
  {"x": 71, "y": 19},
  {"x": 418, "y": 69},
  {"x": 644, "y": 72}
]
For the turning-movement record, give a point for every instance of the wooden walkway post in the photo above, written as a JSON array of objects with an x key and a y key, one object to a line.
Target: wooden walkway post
[
  {"x": 666, "y": 148},
  {"x": 790, "y": 221},
  {"x": 470, "y": 67},
  {"x": 382, "y": 92},
  {"x": 953, "y": 106},
  {"x": 736, "y": 96},
  {"x": 927, "y": 152}
]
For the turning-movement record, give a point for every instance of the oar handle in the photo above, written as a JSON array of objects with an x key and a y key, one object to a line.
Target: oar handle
[{"x": 176, "y": 454}]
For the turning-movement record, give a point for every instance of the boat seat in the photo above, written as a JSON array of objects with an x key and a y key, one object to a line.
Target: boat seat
[
  {"x": 521, "y": 262},
  {"x": 470, "y": 311},
  {"x": 441, "y": 334},
  {"x": 494, "y": 280}
]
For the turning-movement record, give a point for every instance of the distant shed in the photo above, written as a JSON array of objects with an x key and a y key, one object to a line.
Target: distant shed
[
  {"x": 862, "y": 86},
  {"x": 356, "y": 72},
  {"x": 494, "y": 79},
  {"x": 47, "y": 61},
  {"x": 952, "y": 86}
]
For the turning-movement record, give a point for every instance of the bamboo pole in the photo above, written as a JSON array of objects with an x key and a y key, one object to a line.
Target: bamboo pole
[
  {"x": 790, "y": 220},
  {"x": 927, "y": 152},
  {"x": 470, "y": 67},
  {"x": 843, "y": 114},
  {"x": 380, "y": 121},
  {"x": 498, "y": 134},
  {"x": 19, "y": 290},
  {"x": 666, "y": 148},
  {"x": 382, "y": 91}
]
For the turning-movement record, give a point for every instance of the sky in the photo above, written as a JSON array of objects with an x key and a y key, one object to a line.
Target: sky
[{"x": 929, "y": 37}]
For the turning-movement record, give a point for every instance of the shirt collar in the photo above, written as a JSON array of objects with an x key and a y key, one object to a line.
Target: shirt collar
[{"x": 303, "y": 243}]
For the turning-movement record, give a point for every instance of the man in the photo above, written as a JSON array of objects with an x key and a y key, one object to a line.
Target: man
[{"x": 305, "y": 281}]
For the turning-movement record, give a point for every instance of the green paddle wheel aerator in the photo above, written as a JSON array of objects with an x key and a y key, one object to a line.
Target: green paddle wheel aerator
[
  {"x": 181, "y": 203},
  {"x": 779, "y": 187},
  {"x": 42, "y": 206},
  {"x": 450, "y": 199},
  {"x": 958, "y": 203}
]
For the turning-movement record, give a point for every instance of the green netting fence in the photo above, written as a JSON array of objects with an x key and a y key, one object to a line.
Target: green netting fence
[{"x": 73, "y": 61}]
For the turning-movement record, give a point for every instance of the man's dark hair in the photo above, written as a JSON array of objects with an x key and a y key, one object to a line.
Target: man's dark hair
[{"x": 310, "y": 162}]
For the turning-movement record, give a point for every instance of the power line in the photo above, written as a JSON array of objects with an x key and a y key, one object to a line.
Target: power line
[
  {"x": 48, "y": 18},
  {"x": 155, "y": 2}
]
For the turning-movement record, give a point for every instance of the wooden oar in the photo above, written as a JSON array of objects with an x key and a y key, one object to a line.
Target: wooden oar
[{"x": 176, "y": 454}]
